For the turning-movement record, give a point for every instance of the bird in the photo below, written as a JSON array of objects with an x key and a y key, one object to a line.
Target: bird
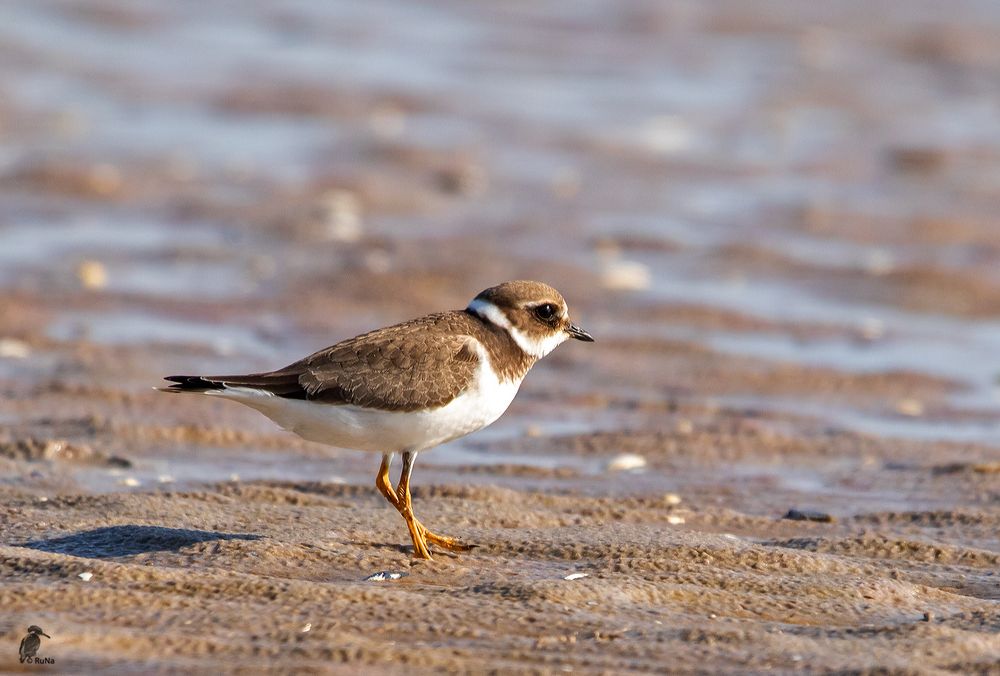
[
  {"x": 409, "y": 387},
  {"x": 31, "y": 643}
]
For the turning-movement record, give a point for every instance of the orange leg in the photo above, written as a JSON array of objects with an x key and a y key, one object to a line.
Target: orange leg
[
  {"x": 403, "y": 493},
  {"x": 402, "y": 501},
  {"x": 405, "y": 507},
  {"x": 382, "y": 482}
]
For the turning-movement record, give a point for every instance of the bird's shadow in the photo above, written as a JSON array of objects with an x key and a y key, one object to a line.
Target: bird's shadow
[{"x": 114, "y": 541}]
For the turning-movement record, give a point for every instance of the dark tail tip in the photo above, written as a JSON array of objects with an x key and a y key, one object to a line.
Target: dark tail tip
[{"x": 191, "y": 384}]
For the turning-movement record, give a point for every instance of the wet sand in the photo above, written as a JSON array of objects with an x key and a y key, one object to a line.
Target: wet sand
[{"x": 781, "y": 454}]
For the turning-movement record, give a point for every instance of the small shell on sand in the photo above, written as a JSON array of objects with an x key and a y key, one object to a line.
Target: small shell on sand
[
  {"x": 12, "y": 348},
  {"x": 675, "y": 520},
  {"x": 85, "y": 576},
  {"x": 575, "y": 576},
  {"x": 626, "y": 462},
  {"x": 383, "y": 575}
]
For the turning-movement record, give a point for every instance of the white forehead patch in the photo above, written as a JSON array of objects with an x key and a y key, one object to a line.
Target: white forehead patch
[{"x": 537, "y": 348}]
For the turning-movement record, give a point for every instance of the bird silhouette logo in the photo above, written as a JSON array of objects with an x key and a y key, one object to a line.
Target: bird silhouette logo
[{"x": 31, "y": 643}]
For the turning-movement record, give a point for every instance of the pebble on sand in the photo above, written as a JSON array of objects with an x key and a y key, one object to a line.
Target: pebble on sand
[
  {"x": 465, "y": 178},
  {"x": 808, "y": 515},
  {"x": 576, "y": 576},
  {"x": 341, "y": 216},
  {"x": 85, "y": 576},
  {"x": 879, "y": 262},
  {"x": 913, "y": 408},
  {"x": 675, "y": 520},
  {"x": 872, "y": 329},
  {"x": 92, "y": 275},
  {"x": 383, "y": 575},
  {"x": 666, "y": 134}
]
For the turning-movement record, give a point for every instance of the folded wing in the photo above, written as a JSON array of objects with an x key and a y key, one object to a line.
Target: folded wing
[{"x": 400, "y": 368}]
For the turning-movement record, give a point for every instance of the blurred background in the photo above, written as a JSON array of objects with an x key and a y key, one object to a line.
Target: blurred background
[{"x": 778, "y": 214}]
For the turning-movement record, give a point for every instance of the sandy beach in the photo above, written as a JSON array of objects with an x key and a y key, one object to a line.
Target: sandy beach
[{"x": 778, "y": 220}]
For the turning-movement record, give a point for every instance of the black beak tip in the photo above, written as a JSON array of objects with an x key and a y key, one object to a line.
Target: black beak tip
[{"x": 579, "y": 334}]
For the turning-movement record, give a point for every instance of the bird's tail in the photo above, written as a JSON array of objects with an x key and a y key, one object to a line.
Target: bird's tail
[
  {"x": 191, "y": 384},
  {"x": 283, "y": 383}
]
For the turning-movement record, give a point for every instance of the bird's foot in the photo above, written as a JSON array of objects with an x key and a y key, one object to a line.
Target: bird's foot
[
  {"x": 443, "y": 541},
  {"x": 420, "y": 549}
]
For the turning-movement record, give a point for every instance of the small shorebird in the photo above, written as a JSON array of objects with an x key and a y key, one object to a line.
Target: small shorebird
[
  {"x": 31, "y": 643},
  {"x": 409, "y": 387}
]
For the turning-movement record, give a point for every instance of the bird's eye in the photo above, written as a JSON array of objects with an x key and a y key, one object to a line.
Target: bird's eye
[{"x": 546, "y": 312}]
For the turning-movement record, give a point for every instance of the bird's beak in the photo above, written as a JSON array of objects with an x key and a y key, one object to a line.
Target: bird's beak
[
  {"x": 578, "y": 333},
  {"x": 46, "y": 635}
]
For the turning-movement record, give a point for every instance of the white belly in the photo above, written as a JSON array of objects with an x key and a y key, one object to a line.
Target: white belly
[{"x": 365, "y": 429}]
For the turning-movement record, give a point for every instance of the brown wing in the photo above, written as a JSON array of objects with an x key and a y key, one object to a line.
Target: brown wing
[{"x": 423, "y": 363}]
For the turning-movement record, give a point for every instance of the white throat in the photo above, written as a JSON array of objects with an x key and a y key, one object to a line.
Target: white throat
[{"x": 537, "y": 348}]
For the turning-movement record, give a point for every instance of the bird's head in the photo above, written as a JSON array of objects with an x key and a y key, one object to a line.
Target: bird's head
[
  {"x": 36, "y": 630},
  {"x": 534, "y": 314}
]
